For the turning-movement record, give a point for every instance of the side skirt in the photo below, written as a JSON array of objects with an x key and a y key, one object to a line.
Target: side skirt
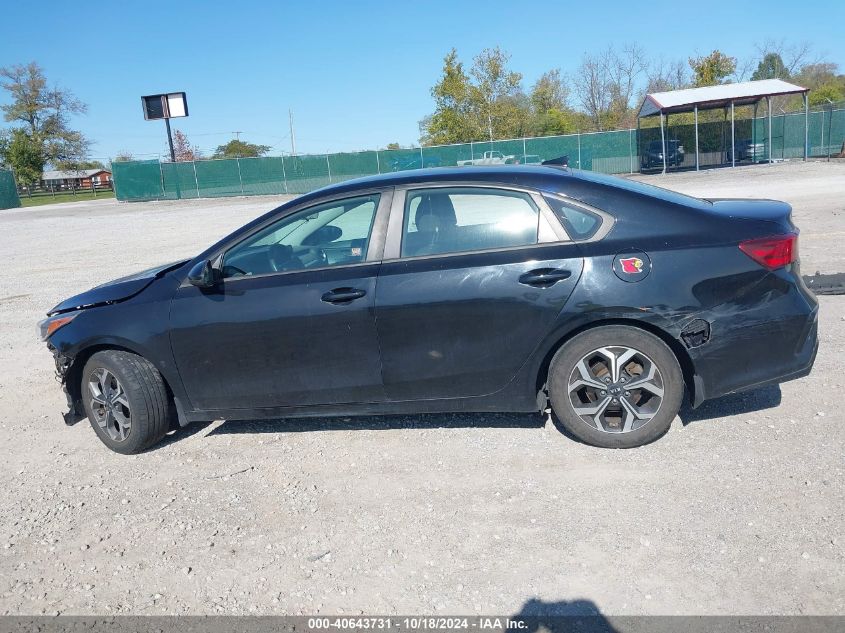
[{"x": 458, "y": 405}]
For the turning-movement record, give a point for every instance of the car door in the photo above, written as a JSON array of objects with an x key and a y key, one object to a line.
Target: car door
[
  {"x": 472, "y": 279},
  {"x": 292, "y": 321}
]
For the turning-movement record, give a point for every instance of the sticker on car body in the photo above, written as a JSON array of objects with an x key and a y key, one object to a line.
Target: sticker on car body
[{"x": 632, "y": 266}]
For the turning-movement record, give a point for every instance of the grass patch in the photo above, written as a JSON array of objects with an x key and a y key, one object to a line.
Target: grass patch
[{"x": 40, "y": 199}]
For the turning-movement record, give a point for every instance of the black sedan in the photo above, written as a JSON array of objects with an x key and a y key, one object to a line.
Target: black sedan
[{"x": 441, "y": 290}]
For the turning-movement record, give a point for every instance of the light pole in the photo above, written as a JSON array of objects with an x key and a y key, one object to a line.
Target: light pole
[{"x": 165, "y": 106}]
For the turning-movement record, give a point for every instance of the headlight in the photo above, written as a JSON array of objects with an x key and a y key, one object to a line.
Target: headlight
[{"x": 48, "y": 326}]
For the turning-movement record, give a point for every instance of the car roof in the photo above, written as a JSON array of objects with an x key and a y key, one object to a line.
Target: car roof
[{"x": 534, "y": 176}]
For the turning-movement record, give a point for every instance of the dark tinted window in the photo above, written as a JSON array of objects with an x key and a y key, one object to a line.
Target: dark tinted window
[
  {"x": 579, "y": 223},
  {"x": 640, "y": 187},
  {"x": 456, "y": 219}
]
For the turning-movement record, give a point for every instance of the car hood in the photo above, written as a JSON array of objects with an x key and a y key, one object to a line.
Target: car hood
[{"x": 115, "y": 290}]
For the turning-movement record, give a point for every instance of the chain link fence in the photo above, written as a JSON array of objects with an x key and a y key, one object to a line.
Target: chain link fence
[
  {"x": 616, "y": 152},
  {"x": 8, "y": 191}
]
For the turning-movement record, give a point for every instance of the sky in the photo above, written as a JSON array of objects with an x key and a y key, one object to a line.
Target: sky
[{"x": 356, "y": 74}]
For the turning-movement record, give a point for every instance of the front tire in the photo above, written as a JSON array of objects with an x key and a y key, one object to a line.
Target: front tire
[
  {"x": 615, "y": 386},
  {"x": 126, "y": 401}
]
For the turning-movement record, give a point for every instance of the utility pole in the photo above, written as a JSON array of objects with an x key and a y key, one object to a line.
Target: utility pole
[
  {"x": 292, "y": 135},
  {"x": 238, "y": 139}
]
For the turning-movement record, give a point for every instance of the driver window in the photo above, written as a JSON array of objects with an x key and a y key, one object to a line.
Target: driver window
[{"x": 333, "y": 234}]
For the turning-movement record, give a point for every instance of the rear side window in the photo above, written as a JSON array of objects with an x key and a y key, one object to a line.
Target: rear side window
[
  {"x": 458, "y": 219},
  {"x": 579, "y": 223}
]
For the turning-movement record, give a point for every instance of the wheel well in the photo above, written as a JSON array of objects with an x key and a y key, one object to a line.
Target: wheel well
[
  {"x": 684, "y": 360},
  {"x": 73, "y": 378}
]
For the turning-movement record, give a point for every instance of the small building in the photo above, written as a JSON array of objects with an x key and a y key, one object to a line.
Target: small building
[{"x": 76, "y": 179}]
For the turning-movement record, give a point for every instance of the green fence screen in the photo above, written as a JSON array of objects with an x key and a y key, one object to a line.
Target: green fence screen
[
  {"x": 615, "y": 152},
  {"x": 8, "y": 191}
]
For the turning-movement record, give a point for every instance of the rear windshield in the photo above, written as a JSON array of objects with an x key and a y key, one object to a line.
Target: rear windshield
[{"x": 648, "y": 190}]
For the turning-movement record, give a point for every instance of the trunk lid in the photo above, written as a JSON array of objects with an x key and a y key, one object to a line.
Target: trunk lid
[{"x": 774, "y": 211}]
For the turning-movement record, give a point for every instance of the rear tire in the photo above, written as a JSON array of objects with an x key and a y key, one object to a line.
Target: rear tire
[
  {"x": 615, "y": 386},
  {"x": 126, "y": 401}
]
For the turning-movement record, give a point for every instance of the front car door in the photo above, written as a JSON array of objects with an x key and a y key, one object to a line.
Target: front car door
[
  {"x": 292, "y": 322},
  {"x": 471, "y": 281}
]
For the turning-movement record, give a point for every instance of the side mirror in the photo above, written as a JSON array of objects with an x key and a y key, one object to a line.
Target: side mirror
[{"x": 203, "y": 274}]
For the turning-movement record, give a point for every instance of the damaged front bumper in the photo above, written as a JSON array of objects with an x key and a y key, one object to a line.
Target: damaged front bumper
[{"x": 63, "y": 368}]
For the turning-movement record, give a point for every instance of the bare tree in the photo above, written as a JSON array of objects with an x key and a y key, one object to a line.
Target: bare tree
[
  {"x": 745, "y": 68},
  {"x": 794, "y": 56},
  {"x": 623, "y": 69},
  {"x": 663, "y": 76},
  {"x": 606, "y": 84},
  {"x": 592, "y": 89},
  {"x": 182, "y": 148}
]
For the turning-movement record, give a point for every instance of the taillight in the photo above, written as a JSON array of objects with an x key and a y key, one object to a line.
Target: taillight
[{"x": 772, "y": 252}]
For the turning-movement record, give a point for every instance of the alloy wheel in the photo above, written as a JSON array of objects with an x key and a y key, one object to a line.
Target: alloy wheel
[
  {"x": 616, "y": 389},
  {"x": 109, "y": 404}
]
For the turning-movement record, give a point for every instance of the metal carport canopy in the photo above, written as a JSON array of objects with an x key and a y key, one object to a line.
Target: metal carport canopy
[{"x": 716, "y": 97}]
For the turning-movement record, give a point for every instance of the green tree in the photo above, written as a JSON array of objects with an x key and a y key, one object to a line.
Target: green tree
[
  {"x": 452, "y": 120},
  {"x": 550, "y": 112},
  {"x": 554, "y": 121},
  {"x": 549, "y": 92},
  {"x": 485, "y": 103},
  {"x": 24, "y": 156},
  {"x": 498, "y": 101},
  {"x": 240, "y": 149},
  {"x": 76, "y": 165},
  {"x": 825, "y": 94},
  {"x": 770, "y": 67},
  {"x": 712, "y": 69},
  {"x": 813, "y": 76},
  {"x": 823, "y": 81},
  {"x": 43, "y": 112}
]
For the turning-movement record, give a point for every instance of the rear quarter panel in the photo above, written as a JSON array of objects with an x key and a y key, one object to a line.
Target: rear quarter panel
[{"x": 697, "y": 270}]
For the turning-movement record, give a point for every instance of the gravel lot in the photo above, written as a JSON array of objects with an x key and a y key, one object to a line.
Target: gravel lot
[{"x": 740, "y": 509}]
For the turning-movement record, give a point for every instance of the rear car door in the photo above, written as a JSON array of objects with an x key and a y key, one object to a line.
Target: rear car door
[
  {"x": 292, "y": 322},
  {"x": 472, "y": 278}
]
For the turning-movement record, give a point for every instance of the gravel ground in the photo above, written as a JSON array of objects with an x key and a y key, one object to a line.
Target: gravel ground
[{"x": 738, "y": 510}]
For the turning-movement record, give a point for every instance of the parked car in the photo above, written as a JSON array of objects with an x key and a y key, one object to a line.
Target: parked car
[
  {"x": 494, "y": 289},
  {"x": 489, "y": 158},
  {"x": 414, "y": 162},
  {"x": 524, "y": 159},
  {"x": 747, "y": 150},
  {"x": 653, "y": 155}
]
